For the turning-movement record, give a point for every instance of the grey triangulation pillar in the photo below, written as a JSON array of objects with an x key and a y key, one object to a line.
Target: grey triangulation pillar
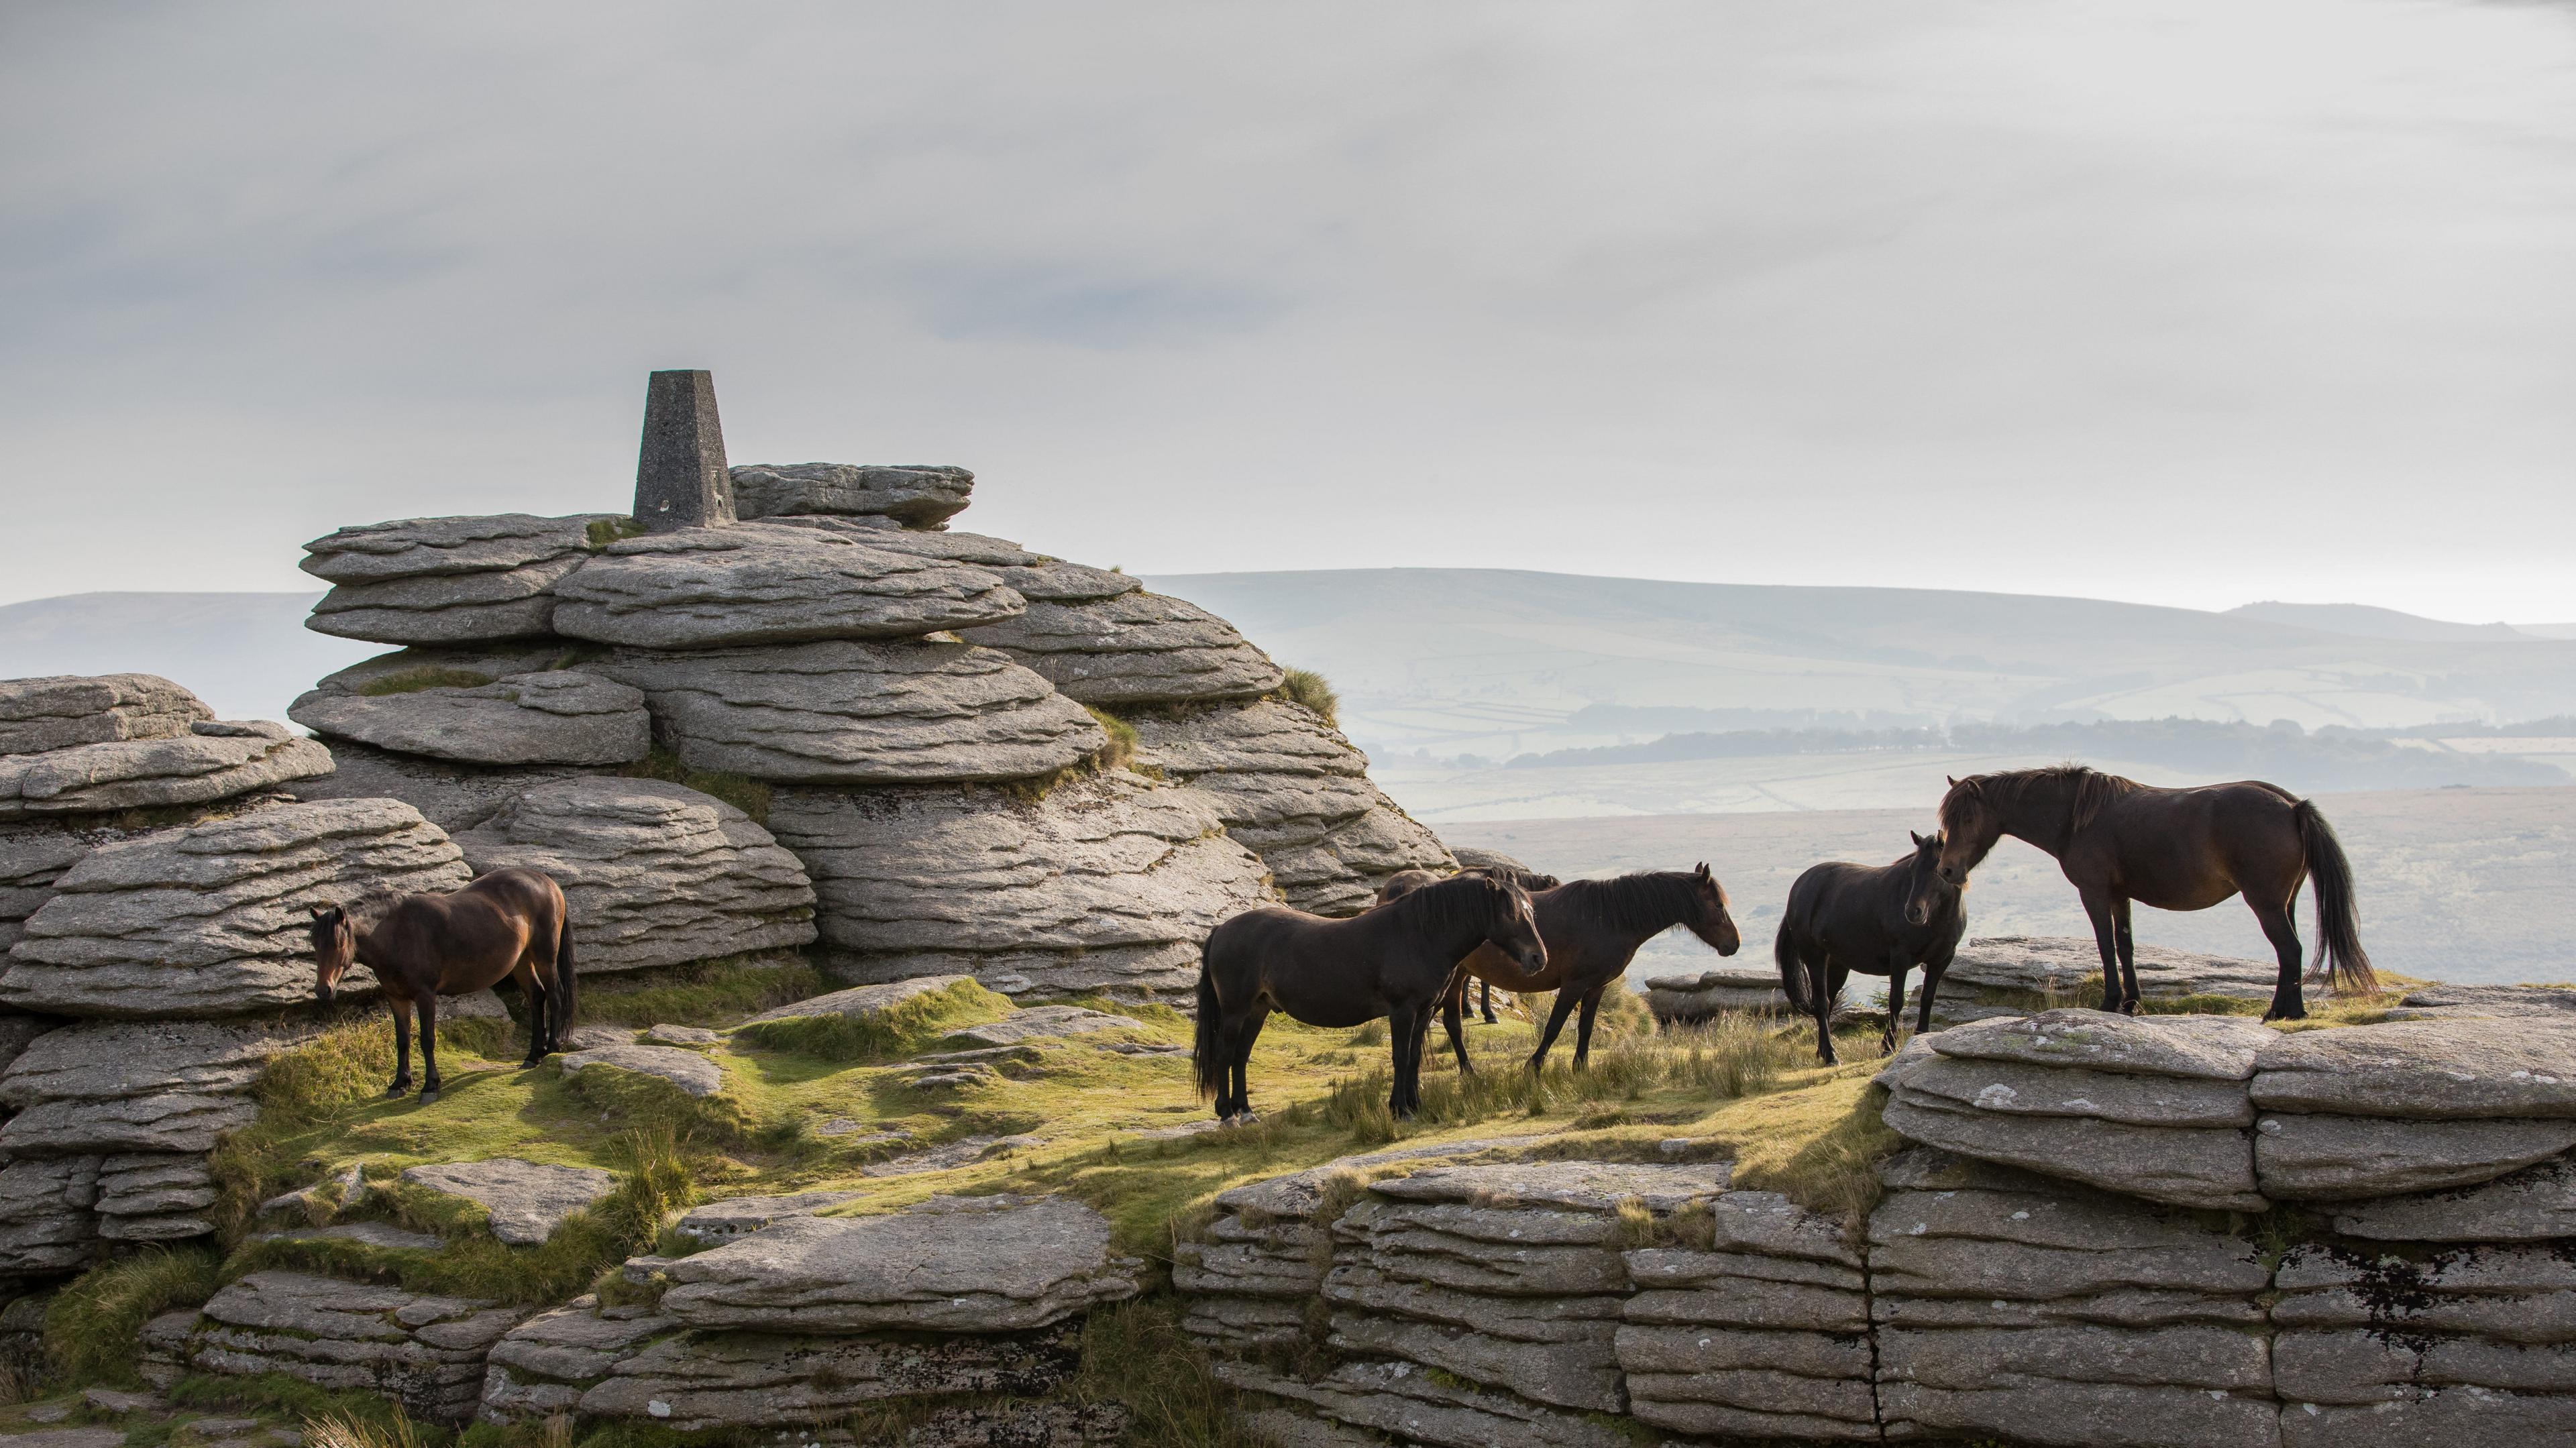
[{"x": 680, "y": 481}]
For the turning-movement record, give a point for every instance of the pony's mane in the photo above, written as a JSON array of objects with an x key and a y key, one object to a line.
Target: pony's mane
[
  {"x": 371, "y": 906},
  {"x": 1448, "y": 905},
  {"x": 1648, "y": 899},
  {"x": 2088, "y": 789}
]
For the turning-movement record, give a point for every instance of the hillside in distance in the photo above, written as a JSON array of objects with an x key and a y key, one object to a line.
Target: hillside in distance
[{"x": 1498, "y": 663}]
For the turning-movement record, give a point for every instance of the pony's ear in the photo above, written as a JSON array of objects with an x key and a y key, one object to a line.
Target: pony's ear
[
  {"x": 1919, "y": 841},
  {"x": 326, "y": 912},
  {"x": 1953, "y": 779},
  {"x": 1703, "y": 869}
]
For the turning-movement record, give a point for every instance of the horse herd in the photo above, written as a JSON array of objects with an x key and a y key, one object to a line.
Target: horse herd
[
  {"x": 1412, "y": 953},
  {"x": 2117, "y": 841}
]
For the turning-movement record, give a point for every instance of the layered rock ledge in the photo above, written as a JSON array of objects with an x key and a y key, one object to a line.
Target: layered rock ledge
[{"x": 449, "y": 580}]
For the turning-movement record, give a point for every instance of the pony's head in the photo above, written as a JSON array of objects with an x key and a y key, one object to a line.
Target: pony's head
[
  {"x": 335, "y": 946},
  {"x": 1926, "y": 887},
  {"x": 1709, "y": 919},
  {"x": 1512, "y": 927},
  {"x": 1970, "y": 825}
]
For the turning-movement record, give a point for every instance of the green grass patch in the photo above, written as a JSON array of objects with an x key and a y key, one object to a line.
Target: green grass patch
[
  {"x": 1120, "y": 751},
  {"x": 741, "y": 791},
  {"x": 708, "y": 993},
  {"x": 1134, "y": 1353},
  {"x": 649, "y": 1103},
  {"x": 1819, "y": 1146},
  {"x": 90, "y": 1325},
  {"x": 427, "y": 676},
  {"x": 278, "y": 1395},
  {"x": 604, "y": 531},
  {"x": 1305, "y": 686},
  {"x": 902, "y": 1029}
]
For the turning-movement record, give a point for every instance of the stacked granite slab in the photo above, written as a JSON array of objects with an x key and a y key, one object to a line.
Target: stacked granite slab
[
  {"x": 1292, "y": 788},
  {"x": 423, "y": 1351},
  {"x": 1685, "y": 1000},
  {"x": 1762, "y": 1331},
  {"x": 808, "y": 1319},
  {"x": 74, "y": 746},
  {"x": 449, "y": 580},
  {"x": 2411, "y": 1106},
  {"x": 2012, "y": 974},
  {"x": 2012, "y": 1305}
]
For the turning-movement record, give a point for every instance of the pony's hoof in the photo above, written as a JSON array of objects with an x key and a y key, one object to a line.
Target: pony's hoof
[
  {"x": 398, "y": 1090},
  {"x": 429, "y": 1096},
  {"x": 532, "y": 1063}
]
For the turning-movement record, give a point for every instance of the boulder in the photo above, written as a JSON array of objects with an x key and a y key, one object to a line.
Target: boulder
[
  {"x": 1042, "y": 1023},
  {"x": 32, "y": 858},
  {"x": 423, "y": 1351},
  {"x": 2534, "y": 1205},
  {"x": 849, "y": 712},
  {"x": 741, "y": 1216},
  {"x": 1685, "y": 999},
  {"x": 1132, "y": 648},
  {"x": 2311, "y": 1158},
  {"x": 950, "y": 1265},
  {"x": 2424, "y": 1070},
  {"x": 691, "y": 1071},
  {"x": 136, "y": 1086},
  {"x": 917, "y": 495},
  {"x": 764, "y": 584},
  {"x": 2205, "y": 1048},
  {"x": 479, "y": 708},
  {"x": 212, "y": 761},
  {"x": 65, "y": 710},
  {"x": 656, "y": 874},
  {"x": 861, "y": 1002},
  {"x": 448, "y": 580},
  {"x": 1292, "y": 788},
  {"x": 670, "y": 1035},
  {"x": 526, "y": 1200},
  {"x": 212, "y": 919},
  {"x": 1107, "y": 883},
  {"x": 48, "y": 1227},
  {"x": 2015, "y": 969}
]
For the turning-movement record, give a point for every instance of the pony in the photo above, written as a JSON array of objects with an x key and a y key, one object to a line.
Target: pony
[
  {"x": 1395, "y": 961},
  {"x": 1593, "y": 929},
  {"x": 1405, "y": 882},
  {"x": 1874, "y": 920},
  {"x": 510, "y": 923},
  {"x": 2176, "y": 849}
]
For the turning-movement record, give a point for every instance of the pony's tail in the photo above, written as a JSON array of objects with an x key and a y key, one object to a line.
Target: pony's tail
[
  {"x": 1793, "y": 972},
  {"x": 2338, "y": 922},
  {"x": 1205, "y": 1058},
  {"x": 567, "y": 987}
]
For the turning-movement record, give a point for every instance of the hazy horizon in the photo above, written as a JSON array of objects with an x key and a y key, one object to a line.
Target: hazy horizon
[{"x": 2188, "y": 305}]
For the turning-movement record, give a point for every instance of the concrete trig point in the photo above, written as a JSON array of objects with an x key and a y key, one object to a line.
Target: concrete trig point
[{"x": 680, "y": 479}]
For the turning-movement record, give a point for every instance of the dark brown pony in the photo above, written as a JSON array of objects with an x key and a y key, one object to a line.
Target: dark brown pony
[
  {"x": 1405, "y": 882},
  {"x": 1871, "y": 920},
  {"x": 1394, "y": 961},
  {"x": 511, "y": 923},
  {"x": 2175, "y": 849},
  {"x": 1593, "y": 929}
]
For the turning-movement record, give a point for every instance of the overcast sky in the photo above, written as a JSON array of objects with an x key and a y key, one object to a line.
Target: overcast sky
[{"x": 2190, "y": 303}]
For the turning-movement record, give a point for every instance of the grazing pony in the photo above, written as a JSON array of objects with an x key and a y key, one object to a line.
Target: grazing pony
[
  {"x": 2176, "y": 849},
  {"x": 511, "y": 922},
  {"x": 1405, "y": 882},
  {"x": 1394, "y": 961},
  {"x": 1874, "y": 920},
  {"x": 1593, "y": 929}
]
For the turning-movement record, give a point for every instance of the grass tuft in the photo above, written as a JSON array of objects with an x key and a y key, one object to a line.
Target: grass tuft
[
  {"x": 427, "y": 676},
  {"x": 1135, "y": 1354},
  {"x": 1305, "y": 686},
  {"x": 90, "y": 1325},
  {"x": 707, "y": 993},
  {"x": 899, "y": 1030},
  {"x": 741, "y": 791},
  {"x": 604, "y": 531},
  {"x": 1120, "y": 751}
]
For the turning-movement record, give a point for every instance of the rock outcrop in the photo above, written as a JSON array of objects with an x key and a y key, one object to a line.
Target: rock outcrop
[
  {"x": 480, "y": 707},
  {"x": 1129, "y": 646},
  {"x": 1103, "y": 884},
  {"x": 764, "y": 584},
  {"x": 423, "y": 1351},
  {"x": 917, "y": 496},
  {"x": 449, "y": 580},
  {"x": 68, "y": 710},
  {"x": 655, "y": 873},
  {"x": 524, "y": 1200},
  {"x": 2012, "y": 974},
  {"x": 213, "y": 760},
  {"x": 1690, "y": 999},
  {"x": 1290, "y": 786}
]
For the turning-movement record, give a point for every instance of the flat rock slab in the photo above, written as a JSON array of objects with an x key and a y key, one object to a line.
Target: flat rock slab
[
  {"x": 422, "y": 1350},
  {"x": 862, "y": 1002},
  {"x": 211, "y": 761},
  {"x": 918, "y": 495},
  {"x": 526, "y": 1200},
  {"x": 2445, "y": 999},
  {"x": 2208, "y": 1048},
  {"x": 983, "y": 1264},
  {"x": 1135, "y": 648},
  {"x": 212, "y": 919},
  {"x": 691, "y": 1071},
  {"x": 2315, "y": 1157},
  {"x": 2535, "y": 1205},
  {"x": 1108, "y": 883},
  {"x": 763, "y": 584},
  {"x": 2014, "y": 1088},
  {"x": 850, "y": 712},
  {"x": 741, "y": 1216},
  {"x": 48, "y": 1227},
  {"x": 2178, "y": 1166},
  {"x": 1579, "y": 1186},
  {"x": 1039, "y": 1023},
  {"x": 656, "y": 874},
  {"x": 543, "y": 716},
  {"x": 671, "y": 1035},
  {"x": 2068, "y": 965},
  {"x": 64, "y": 710},
  {"x": 447, "y": 580},
  {"x": 135, "y": 1086},
  {"x": 2424, "y": 1070},
  {"x": 965, "y": 1151}
]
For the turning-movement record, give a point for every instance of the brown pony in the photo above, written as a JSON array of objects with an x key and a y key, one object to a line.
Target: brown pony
[
  {"x": 511, "y": 923},
  {"x": 2175, "y": 849},
  {"x": 1405, "y": 882}
]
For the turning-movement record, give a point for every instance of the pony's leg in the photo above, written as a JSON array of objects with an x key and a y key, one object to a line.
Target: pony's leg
[
  {"x": 1583, "y": 1026},
  {"x": 2128, "y": 949},
  {"x": 402, "y": 1046},
  {"x": 1897, "y": 966},
  {"x": 1404, "y": 1035},
  {"x": 428, "y": 1048},
  {"x": 1932, "y": 969},
  {"x": 1485, "y": 1001},
  {"x": 1453, "y": 1007},
  {"x": 534, "y": 994},
  {"x": 2097, "y": 908},
  {"x": 1821, "y": 992},
  {"x": 1565, "y": 1003},
  {"x": 1421, "y": 1044},
  {"x": 1239, "y": 1053},
  {"x": 2289, "y": 1002}
]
